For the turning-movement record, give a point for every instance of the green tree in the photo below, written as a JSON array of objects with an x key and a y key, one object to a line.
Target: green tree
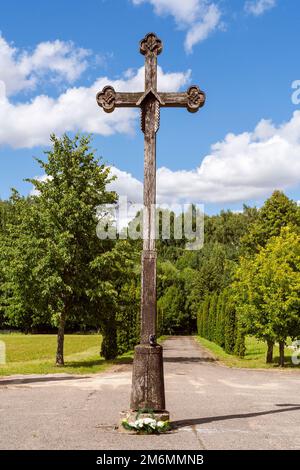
[
  {"x": 171, "y": 311},
  {"x": 21, "y": 299},
  {"x": 192, "y": 291},
  {"x": 278, "y": 211},
  {"x": 240, "y": 346},
  {"x": 206, "y": 305},
  {"x": 268, "y": 290},
  {"x": 220, "y": 326},
  {"x": 212, "y": 317},
  {"x": 230, "y": 324},
  {"x": 115, "y": 298},
  {"x": 53, "y": 250}
]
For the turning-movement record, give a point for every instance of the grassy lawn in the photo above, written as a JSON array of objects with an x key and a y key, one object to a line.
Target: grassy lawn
[
  {"x": 254, "y": 358},
  {"x": 35, "y": 354}
]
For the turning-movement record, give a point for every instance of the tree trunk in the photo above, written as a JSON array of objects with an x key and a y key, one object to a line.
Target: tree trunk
[
  {"x": 60, "y": 341},
  {"x": 281, "y": 353},
  {"x": 269, "y": 358}
]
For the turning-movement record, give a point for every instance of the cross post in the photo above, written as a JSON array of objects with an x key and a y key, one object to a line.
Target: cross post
[{"x": 148, "y": 378}]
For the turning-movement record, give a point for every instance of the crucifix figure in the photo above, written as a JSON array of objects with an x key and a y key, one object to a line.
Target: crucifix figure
[{"x": 148, "y": 379}]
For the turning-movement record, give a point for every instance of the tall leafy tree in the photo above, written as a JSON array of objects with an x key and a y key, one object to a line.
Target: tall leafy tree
[
  {"x": 268, "y": 288},
  {"x": 21, "y": 250},
  {"x": 278, "y": 211},
  {"x": 66, "y": 201},
  {"x": 230, "y": 324},
  {"x": 115, "y": 298},
  {"x": 212, "y": 317}
]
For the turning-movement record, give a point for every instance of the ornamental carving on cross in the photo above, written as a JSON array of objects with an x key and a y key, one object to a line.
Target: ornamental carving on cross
[
  {"x": 151, "y": 46},
  {"x": 107, "y": 99}
]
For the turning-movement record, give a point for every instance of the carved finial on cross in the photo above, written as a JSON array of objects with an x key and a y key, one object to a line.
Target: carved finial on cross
[
  {"x": 195, "y": 99},
  {"x": 107, "y": 99},
  {"x": 151, "y": 44}
]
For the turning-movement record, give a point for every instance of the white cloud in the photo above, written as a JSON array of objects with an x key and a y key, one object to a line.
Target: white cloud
[
  {"x": 242, "y": 167},
  {"x": 21, "y": 70},
  {"x": 199, "y": 17},
  {"x": 201, "y": 30},
  {"x": 30, "y": 124},
  {"x": 258, "y": 7},
  {"x": 185, "y": 12},
  {"x": 127, "y": 185},
  {"x": 247, "y": 166}
]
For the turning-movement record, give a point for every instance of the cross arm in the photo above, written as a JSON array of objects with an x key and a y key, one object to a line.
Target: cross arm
[
  {"x": 193, "y": 99},
  {"x": 109, "y": 99}
]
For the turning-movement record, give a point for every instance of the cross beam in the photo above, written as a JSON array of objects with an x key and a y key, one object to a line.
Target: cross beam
[
  {"x": 192, "y": 99},
  {"x": 148, "y": 381}
]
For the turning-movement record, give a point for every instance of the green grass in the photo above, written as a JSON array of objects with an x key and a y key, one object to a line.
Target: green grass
[
  {"x": 35, "y": 354},
  {"x": 162, "y": 338},
  {"x": 255, "y": 355}
]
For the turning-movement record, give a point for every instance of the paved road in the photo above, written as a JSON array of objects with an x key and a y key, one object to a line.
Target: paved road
[{"x": 214, "y": 407}]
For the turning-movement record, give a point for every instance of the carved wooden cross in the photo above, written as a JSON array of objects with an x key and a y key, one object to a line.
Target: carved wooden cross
[{"x": 148, "y": 382}]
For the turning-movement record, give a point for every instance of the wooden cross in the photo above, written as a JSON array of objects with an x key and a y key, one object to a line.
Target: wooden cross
[{"x": 148, "y": 382}]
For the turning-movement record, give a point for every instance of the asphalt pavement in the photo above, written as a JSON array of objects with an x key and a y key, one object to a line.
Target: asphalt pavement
[{"x": 211, "y": 406}]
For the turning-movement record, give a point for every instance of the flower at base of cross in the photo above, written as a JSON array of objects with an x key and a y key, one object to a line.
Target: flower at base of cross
[
  {"x": 139, "y": 423},
  {"x": 146, "y": 425},
  {"x": 150, "y": 421}
]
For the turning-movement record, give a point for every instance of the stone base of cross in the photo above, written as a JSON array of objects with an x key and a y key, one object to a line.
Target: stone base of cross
[{"x": 148, "y": 391}]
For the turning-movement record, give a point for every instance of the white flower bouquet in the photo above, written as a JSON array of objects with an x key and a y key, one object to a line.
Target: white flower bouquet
[{"x": 146, "y": 425}]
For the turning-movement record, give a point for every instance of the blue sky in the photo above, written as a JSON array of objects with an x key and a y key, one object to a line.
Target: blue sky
[{"x": 55, "y": 55}]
